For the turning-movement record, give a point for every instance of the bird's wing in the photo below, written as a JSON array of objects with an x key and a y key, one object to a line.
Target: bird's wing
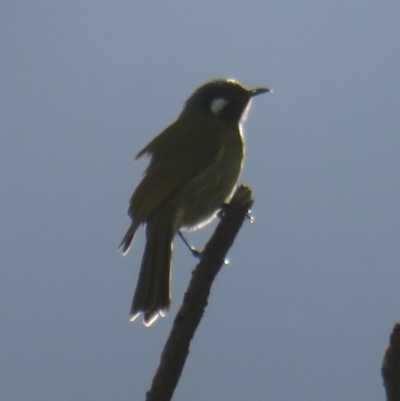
[{"x": 181, "y": 152}]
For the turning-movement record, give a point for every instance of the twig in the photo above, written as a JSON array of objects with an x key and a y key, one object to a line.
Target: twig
[
  {"x": 195, "y": 300},
  {"x": 391, "y": 366}
]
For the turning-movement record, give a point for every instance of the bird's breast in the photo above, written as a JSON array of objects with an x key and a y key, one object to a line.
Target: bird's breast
[{"x": 202, "y": 197}]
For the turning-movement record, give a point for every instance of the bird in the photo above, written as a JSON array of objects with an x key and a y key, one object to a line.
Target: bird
[{"x": 194, "y": 167}]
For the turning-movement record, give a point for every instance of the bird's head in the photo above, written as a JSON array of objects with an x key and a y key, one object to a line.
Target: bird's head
[{"x": 224, "y": 99}]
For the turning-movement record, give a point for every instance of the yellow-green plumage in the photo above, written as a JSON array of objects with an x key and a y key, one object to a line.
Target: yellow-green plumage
[
  {"x": 178, "y": 159},
  {"x": 194, "y": 166}
]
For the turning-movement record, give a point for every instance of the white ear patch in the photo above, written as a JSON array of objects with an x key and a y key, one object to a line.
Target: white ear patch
[{"x": 218, "y": 104}]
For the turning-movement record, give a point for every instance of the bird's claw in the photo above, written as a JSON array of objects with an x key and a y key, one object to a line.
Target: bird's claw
[{"x": 196, "y": 252}]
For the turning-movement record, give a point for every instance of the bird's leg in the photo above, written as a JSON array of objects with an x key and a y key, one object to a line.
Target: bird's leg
[{"x": 195, "y": 252}]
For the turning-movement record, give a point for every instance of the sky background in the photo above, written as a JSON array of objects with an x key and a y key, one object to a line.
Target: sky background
[{"x": 305, "y": 308}]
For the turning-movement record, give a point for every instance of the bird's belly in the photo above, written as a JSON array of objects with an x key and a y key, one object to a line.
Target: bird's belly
[{"x": 202, "y": 197}]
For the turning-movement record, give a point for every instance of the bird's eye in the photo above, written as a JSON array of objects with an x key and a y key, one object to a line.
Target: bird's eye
[{"x": 217, "y": 105}]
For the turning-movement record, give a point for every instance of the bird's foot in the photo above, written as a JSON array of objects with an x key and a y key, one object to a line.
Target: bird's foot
[{"x": 195, "y": 252}]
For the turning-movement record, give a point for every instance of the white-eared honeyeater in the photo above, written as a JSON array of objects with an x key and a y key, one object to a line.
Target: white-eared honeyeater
[{"x": 194, "y": 166}]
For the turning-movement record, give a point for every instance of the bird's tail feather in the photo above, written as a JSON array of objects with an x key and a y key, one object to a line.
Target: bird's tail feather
[
  {"x": 152, "y": 295},
  {"x": 128, "y": 238}
]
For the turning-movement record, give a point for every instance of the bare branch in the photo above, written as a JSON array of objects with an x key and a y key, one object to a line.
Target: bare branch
[
  {"x": 195, "y": 300},
  {"x": 391, "y": 366}
]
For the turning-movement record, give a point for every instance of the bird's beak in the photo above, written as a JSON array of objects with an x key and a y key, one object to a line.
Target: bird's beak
[{"x": 259, "y": 91}]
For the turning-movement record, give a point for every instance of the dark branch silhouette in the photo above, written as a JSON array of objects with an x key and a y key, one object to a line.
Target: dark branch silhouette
[
  {"x": 391, "y": 366},
  {"x": 195, "y": 300}
]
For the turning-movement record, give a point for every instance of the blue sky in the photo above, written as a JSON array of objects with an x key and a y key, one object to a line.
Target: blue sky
[{"x": 306, "y": 306}]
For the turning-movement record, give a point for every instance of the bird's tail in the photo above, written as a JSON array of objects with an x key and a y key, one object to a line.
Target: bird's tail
[{"x": 152, "y": 295}]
